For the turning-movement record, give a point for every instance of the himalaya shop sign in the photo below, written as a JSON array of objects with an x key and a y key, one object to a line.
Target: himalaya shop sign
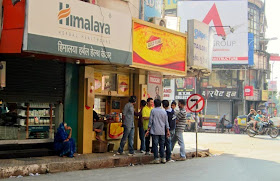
[
  {"x": 77, "y": 29},
  {"x": 184, "y": 87},
  {"x": 228, "y": 19}
]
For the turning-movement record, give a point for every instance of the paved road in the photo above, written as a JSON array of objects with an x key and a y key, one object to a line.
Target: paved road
[{"x": 236, "y": 158}]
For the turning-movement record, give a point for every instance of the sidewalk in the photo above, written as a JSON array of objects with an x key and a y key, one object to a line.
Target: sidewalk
[{"x": 55, "y": 164}]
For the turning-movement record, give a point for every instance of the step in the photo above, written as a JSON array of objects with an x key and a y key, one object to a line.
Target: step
[{"x": 25, "y": 153}]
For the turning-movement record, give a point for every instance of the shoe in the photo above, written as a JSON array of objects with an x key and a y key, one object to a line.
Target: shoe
[
  {"x": 131, "y": 154},
  {"x": 118, "y": 153},
  {"x": 141, "y": 151},
  {"x": 157, "y": 161},
  {"x": 181, "y": 159},
  {"x": 148, "y": 153},
  {"x": 163, "y": 160},
  {"x": 170, "y": 161}
]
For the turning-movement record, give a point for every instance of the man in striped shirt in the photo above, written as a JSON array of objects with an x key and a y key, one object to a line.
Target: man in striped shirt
[{"x": 180, "y": 127}]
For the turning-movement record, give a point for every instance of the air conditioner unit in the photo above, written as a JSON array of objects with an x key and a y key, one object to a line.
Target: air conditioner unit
[{"x": 158, "y": 21}]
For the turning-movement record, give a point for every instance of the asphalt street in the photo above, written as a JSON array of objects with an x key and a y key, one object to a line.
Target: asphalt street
[{"x": 235, "y": 158}]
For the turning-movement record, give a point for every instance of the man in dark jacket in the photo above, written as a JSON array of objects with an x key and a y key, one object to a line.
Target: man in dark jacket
[{"x": 172, "y": 124}]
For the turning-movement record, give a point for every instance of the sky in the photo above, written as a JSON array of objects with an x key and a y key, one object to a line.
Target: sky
[{"x": 273, "y": 30}]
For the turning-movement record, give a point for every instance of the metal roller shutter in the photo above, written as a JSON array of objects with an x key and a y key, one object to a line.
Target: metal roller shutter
[{"x": 29, "y": 80}]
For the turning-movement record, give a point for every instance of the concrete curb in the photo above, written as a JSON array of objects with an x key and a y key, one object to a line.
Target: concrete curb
[{"x": 84, "y": 162}]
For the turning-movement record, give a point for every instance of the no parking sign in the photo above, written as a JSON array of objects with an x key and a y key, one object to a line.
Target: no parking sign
[{"x": 195, "y": 103}]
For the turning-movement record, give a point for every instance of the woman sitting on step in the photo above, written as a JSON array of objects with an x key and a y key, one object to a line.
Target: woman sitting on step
[{"x": 63, "y": 143}]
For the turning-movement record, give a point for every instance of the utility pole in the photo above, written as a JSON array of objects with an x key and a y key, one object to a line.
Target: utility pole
[{"x": 142, "y": 9}]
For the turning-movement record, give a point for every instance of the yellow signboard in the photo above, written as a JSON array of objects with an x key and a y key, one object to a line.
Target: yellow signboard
[
  {"x": 97, "y": 82},
  {"x": 170, "y": 4},
  {"x": 123, "y": 85},
  {"x": 157, "y": 48},
  {"x": 265, "y": 95}
]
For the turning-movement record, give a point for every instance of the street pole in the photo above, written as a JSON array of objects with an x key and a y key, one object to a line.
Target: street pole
[
  {"x": 196, "y": 142},
  {"x": 244, "y": 97},
  {"x": 142, "y": 10}
]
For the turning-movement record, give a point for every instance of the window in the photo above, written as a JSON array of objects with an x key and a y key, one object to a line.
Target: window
[{"x": 254, "y": 23}]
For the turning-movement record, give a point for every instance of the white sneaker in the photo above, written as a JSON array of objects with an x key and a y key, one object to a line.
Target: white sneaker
[
  {"x": 157, "y": 161},
  {"x": 118, "y": 153},
  {"x": 163, "y": 160},
  {"x": 131, "y": 154},
  {"x": 170, "y": 161},
  {"x": 148, "y": 153}
]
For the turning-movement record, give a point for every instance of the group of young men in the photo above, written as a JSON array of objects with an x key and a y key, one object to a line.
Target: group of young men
[
  {"x": 157, "y": 120},
  {"x": 257, "y": 118}
]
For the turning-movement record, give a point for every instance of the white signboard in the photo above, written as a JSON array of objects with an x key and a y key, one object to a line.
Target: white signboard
[
  {"x": 230, "y": 22},
  {"x": 168, "y": 89},
  {"x": 172, "y": 23},
  {"x": 200, "y": 45},
  {"x": 77, "y": 29}
]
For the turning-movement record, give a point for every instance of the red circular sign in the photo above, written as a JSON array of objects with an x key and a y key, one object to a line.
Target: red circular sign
[{"x": 195, "y": 103}]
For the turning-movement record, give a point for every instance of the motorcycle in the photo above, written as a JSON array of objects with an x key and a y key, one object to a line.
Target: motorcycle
[{"x": 268, "y": 129}]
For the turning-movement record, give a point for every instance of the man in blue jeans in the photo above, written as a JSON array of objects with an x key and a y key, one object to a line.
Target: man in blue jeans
[
  {"x": 172, "y": 125},
  {"x": 128, "y": 125},
  {"x": 180, "y": 127},
  {"x": 158, "y": 127},
  {"x": 140, "y": 126}
]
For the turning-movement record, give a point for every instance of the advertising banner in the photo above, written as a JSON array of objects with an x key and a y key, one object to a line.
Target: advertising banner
[
  {"x": 153, "y": 8},
  {"x": 97, "y": 82},
  {"x": 229, "y": 19},
  {"x": 184, "y": 88},
  {"x": 123, "y": 85},
  {"x": 209, "y": 125},
  {"x": 264, "y": 95},
  {"x": 200, "y": 45},
  {"x": 159, "y": 49},
  {"x": 77, "y": 29},
  {"x": 220, "y": 93},
  {"x": 251, "y": 48},
  {"x": 168, "y": 89},
  {"x": 272, "y": 85},
  {"x": 249, "y": 91},
  {"x": 155, "y": 86},
  {"x": 171, "y": 7}
]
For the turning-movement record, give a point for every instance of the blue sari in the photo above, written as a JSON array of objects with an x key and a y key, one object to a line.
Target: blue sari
[{"x": 66, "y": 148}]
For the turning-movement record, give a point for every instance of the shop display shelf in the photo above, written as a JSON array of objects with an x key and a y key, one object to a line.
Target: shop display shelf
[
  {"x": 25, "y": 107},
  {"x": 39, "y": 116},
  {"x": 40, "y": 125}
]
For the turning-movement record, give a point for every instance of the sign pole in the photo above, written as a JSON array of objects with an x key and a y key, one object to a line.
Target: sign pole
[
  {"x": 195, "y": 117},
  {"x": 195, "y": 103}
]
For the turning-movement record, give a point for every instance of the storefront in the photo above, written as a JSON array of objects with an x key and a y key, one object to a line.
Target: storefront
[
  {"x": 32, "y": 99},
  {"x": 221, "y": 101},
  {"x": 77, "y": 55}
]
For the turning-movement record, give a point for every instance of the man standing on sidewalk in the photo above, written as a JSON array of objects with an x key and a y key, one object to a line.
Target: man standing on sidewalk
[
  {"x": 180, "y": 127},
  {"x": 146, "y": 116},
  {"x": 172, "y": 124},
  {"x": 128, "y": 125},
  {"x": 140, "y": 126},
  {"x": 158, "y": 127}
]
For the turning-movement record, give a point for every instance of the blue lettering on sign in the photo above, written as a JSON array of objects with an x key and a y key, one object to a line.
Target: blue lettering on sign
[
  {"x": 199, "y": 34},
  {"x": 174, "y": 2}
]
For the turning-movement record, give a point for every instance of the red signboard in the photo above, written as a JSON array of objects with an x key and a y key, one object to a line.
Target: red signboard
[
  {"x": 249, "y": 91},
  {"x": 209, "y": 125}
]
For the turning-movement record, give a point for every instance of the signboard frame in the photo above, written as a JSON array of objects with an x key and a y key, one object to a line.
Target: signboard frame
[{"x": 153, "y": 67}]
